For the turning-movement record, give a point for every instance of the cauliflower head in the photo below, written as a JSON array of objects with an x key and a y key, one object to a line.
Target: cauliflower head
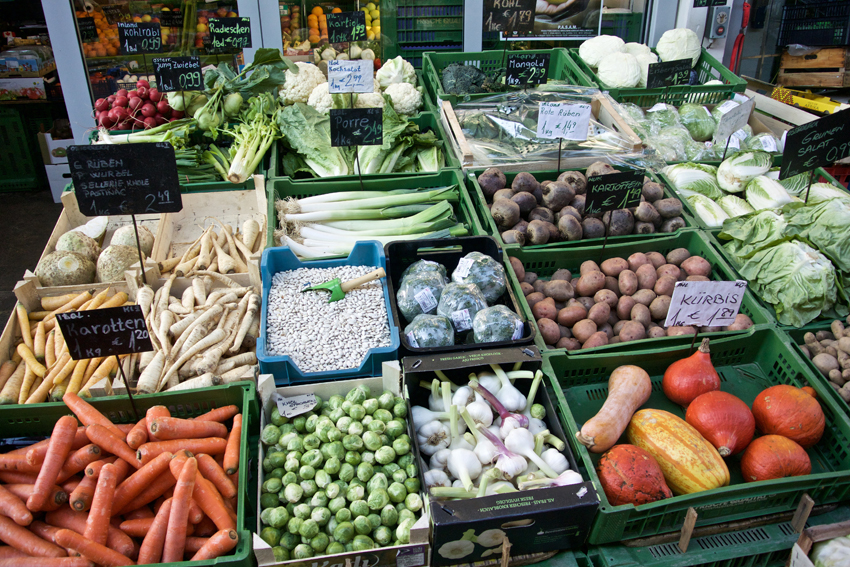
[
  {"x": 320, "y": 98},
  {"x": 297, "y": 88},
  {"x": 395, "y": 71},
  {"x": 406, "y": 98},
  {"x": 369, "y": 100}
]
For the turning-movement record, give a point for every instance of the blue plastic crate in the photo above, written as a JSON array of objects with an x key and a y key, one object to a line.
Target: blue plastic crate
[{"x": 282, "y": 259}]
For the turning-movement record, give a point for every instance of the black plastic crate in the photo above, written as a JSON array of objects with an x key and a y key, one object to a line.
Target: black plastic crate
[{"x": 817, "y": 23}]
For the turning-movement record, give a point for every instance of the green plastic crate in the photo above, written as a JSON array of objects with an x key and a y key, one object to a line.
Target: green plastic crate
[
  {"x": 562, "y": 67},
  {"x": 708, "y": 68},
  {"x": 747, "y": 365},
  {"x": 16, "y": 159},
  {"x": 283, "y": 188},
  {"x": 38, "y": 420},
  {"x": 489, "y": 223},
  {"x": 545, "y": 262}
]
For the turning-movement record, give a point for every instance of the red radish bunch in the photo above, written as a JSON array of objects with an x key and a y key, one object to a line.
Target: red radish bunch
[{"x": 141, "y": 108}]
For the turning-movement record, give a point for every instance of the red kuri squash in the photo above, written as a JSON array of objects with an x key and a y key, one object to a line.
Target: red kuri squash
[
  {"x": 790, "y": 412},
  {"x": 724, "y": 420},
  {"x": 630, "y": 475},
  {"x": 774, "y": 456},
  {"x": 687, "y": 378}
]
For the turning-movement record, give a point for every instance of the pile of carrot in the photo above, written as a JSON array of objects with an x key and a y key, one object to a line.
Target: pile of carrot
[
  {"x": 98, "y": 493},
  {"x": 40, "y": 368}
]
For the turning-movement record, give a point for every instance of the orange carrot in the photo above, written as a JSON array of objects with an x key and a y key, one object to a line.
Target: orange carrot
[
  {"x": 7, "y": 552},
  {"x": 81, "y": 498},
  {"x": 194, "y": 544},
  {"x": 152, "y": 546},
  {"x": 97, "y": 524},
  {"x": 60, "y": 445},
  {"x": 44, "y": 531},
  {"x": 70, "y": 485},
  {"x": 138, "y": 435},
  {"x": 207, "y": 498},
  {"x": 46, "y": 562},
  {"x": 79, "y": 460},
  {"x": 151, "y": 414},
  {"x": 151, "y": 493},
  {"x": 166, "y": 428},
  {"x": 209, "y": 445},
  {"x": 24, "y": 540},
  {"x": 231, "y": 453},
  {"x": 205, "y": 527},
  {"x": 103, "y": 438},
  {"x": 94, "y": 468},
  {"x": 68, "y": 519},
  {"x": 14, "y": 507},
  {"x": 35, "y": 453},
  {"x": 125, "y": 428},
  {"x": 219, "y": 544},
  {"x": 87, "y": 414},
  {"x": 234, "y": 478},
  {"x": 123, "y": 469},
  {"x": 138, "y": 527},
  {"x": 195, "y": 512},
  {"x": 92, "y": 551},
  {"x": 215, "y": 474},
  {"x": 139, "y": 513},
  {"x": 14, "y": 477},
  {"x": 175, "y": 536},
  {"x": 140, "y": 480},
  {"x": 219, "y": 414},
  {"x": 57, "y": 498},
  {"x": 17, "y": 463}
]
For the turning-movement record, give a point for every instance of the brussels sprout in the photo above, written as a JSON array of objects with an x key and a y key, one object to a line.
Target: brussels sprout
[
  {"x": 368, "y": 457},
  {"x": 346, "y": 405},
  {"x": 335, "y": 434},
  {"x": 292, "y": 465},
  {"x": 402, "y": 532},
  {"x": 412, "y": 470},
  {"x": 280, "y": 553},
  {"x": 335, "y": 401},
  {"x": 378, "y": 499},
  {"x": 344, "y": 532},
  {"x": 294, "y": 525},
  {"x": 406, "y": 514},
  {"x": 372, "y": 440},
  {"x": 343, "y": 515},
  {"x": 385, "y": 455},
  {"x": 352, "y": 443},
  {"x": 359, "y": 508},
  {"x": 323, "y": 476},
  {"x": 378, "y": 480},
  {"x": 385, "y": 440},
  {"x": 312, "y": 458},
  {"x": 386, "y": 401},
  {"x": 374, "y": 519},
  {"x": 272, "y": 485},
  {"x": 370, "y": 405},
  {"x": 335, "y": 449},
  {"x": 270, "y": 535},
  {"x": 412, "y": 485},
  {"x": 320, "y": 542},
  {"x": 270, "y": 435},
  {"x": 333, "y": 523},
  {"x": 399, "y": 476},
  {"x": 397, "y": 492},
  {"x": 302, "y": 511},
  {"x": 362, "y": 525},
  {"x": 389, "y": 516},
  {"x": 377, "y": 426},
  {"x": 413, "y": 502},
  {"x": 311, "y": 442},
  {"x": 344, "y": 422},
  {"x": 309, "y": 487},
  {"x": 267, "y": 465},
  {"x": 276, "y": 473},
  {"x": 390, "y": 468},
  {"x": 356, "y": 428},
  {"x": 268, "y": 500},
  {"x": 336, "y": 504},
  {"x": 335, "y": 548},
  {"x": 319, "y": 499},
  {"x": 300, "y": 423},
  {"x": 383, "y": 415},
  {"x": 309, "y": 528},
  {"x": 323, "y": 431},
  {"x": 335, "y": 414},
  {"x": 363, "y": 542},
  {"x": 357, "y": 412},
  {"x": 289, "y": 478},
  {"x": 355, "y": 493},
  {"x": 277, "y": 459},
  {"x": 356, "y": 396},
  {"x": 320, "y": 515},
  {"x": 367, "y": 420},
  {"x": 302, "y": 551},
  {"x": 349, "y": 547},
  {"x": 333, "y": 490},
  {"x": 310, "y": 424},
  {"x": 289, "y": 540},
  {"x": 394, "y": 428},
  {"x": 307, "y": 472},
  {"x": 357, "y": 482},
  {"x": 332, "y": 466},
  {"x": 401, "y": 447},
  {"x": 405, "y": 460},
  {"x": 365, "y": 471},
  {"x": 346, "y": 472},
  {"x": 382, "y": 535},
  {"x": 353, "y": 458},
  {"x": 287, "y": 428}
]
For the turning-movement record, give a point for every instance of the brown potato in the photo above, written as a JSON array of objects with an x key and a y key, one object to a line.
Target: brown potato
[
  {"x": 664, "y": 286},
  {"x": 697, "y": 279},
  {"x": 587, "y": 302},
  {"x": 562, "y": 274},
  {"x": 644, "y": 296},
  {"x": 588, "y": 266},
  {"x": 597, "y": 339},
  {"x": 560, "y": 305},
  {"x": 614, "y": 341},
  {"x": 637, "y": 260},
  {"x": 613, "y": 266},
  {"x": 696, "y": 266},
  {"x": 559, "y": 290},
  {"x": 741, "y": 323},
  {"x": 669, "y": 270},
  {"x": 613, "y": 319},
  {"x": 618, "y": 326},
  {"x": 599, "y": 314},
  {"x": 527, "y": 289},
  {"x": 583, "y": 329},
  {"x": 569, "y": 344},
  {"x": 572, "y": 314},
  {"x": 677, "y": 256},
  {"x": 530, "y": 277},
  {"x": 656, "y": 259},
  {"x": 519, "y": 269},
  {"x": 608, "y": 330},
  {"x": 606, "y": 296},
  {"x": 628, "y": 282},
  {"x": 632, "y": 331},
  {"x": 624, "y": 306},
  {"x": 539, "y": 285},
  {"x": 549, "y": 331},
  {"x": 659, "y": 307},
  {"x": 534, "y": 297},
  {"x": 545, "y": 309},
  {"x": 710, "y": 329},
  {"x": 565, "y": 332},
  {"x": 590, "y": 283},
  {"x": 612, "y": 284},
  {"x": 646, "y": 276},
  {"x": 678, "y": 331},
  {"x": 640, "y": 313},
  {"x": 656, "y": 332}
]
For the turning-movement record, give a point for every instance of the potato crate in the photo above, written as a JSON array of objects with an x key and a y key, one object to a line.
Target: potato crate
[
  {"x": 545, "y": 262},
  {"x": 747, "y": 365},
  {"x": 708, "y": 68}
]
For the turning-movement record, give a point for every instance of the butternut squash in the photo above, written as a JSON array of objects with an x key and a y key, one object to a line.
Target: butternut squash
[
  {"x": 689, "y": 462},
  {"x": 628, "y": 388}
]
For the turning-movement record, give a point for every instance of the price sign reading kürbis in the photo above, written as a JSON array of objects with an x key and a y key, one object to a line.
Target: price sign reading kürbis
[
  {"x": 562, "y": 120},
  {"x": 178, "y": 74},
  {"x": 117, "y": 179},
  {"x": 105, "y": 332},
  {"x": 347, "y": 26},
  {"x": 613, "y": 191},
  {"x": 346, "y": 76},
  {"x": 88, "y": 29},
  {"x": 357, "y": 127},
  {"x": 817, "y": 143},
  {"x": 514, "y": 17},
  {"x": 734, "y": 120},
  {"x": 527, "y": 69},
  {"x": 705, "y": 304},
  {"x": 139, "y": 37},
  {"x": 230, "y": 33},
  {"x": 668, "y": 73}
]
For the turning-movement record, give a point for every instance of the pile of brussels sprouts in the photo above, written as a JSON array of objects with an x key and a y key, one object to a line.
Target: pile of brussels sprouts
[{"x": 340, "y": 478}]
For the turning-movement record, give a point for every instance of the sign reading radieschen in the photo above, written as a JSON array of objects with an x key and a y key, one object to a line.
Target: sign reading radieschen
[
  {"x": 139, "y": 37},
  {"x": 105, "y": 332},
  {"x": 668, "y": 73},
  {"x": 817, "y": 143},
  {"x": 563, "y": 120},
  {"x": 347, "y": 26},
  {"x": 613, "y": 191},
  {"x": 705, "y": 304},
  {"x": 119, "y": 179},
  {"x": 178, "y": 74},
  {"x": 230, "y": 33},
  {"x": 527, "y": 69},
  {"x": 357, "y": 127},
  {"x": 509, "y": 16}
]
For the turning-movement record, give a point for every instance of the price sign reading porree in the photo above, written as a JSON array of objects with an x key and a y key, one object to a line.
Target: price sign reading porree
[
  {"x": 613, "y": 191},
  {"x": 351, "y": 76},
  {"x": 178, "y": 74},
  {"x": 118, "y": 179},
  {"x": 230, "y": 33},
  {"x": 346, "y": 26},
  {"x": 816, "y": 144},
  {"x": 527, "y": 69},
  {"x": 668, "y": 73},
  {"x": 514, "y": 17},
  {"x": 562, "y": 120},
  {"x": 357, "y": 127},
  {"x": 105, "y": 332},
  {"x": 139, "y": 37},
  {"x": 705, "y": 304}
]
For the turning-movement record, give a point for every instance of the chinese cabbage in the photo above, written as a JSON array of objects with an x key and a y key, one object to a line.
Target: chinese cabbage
[{"x": 709, "y": 211}]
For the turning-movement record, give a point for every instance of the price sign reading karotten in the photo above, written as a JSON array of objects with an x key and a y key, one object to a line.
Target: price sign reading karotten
[
  {"x": 351, "y": 76},
  {"x": 562, "y": 120},
  {"x": 357, "y": 127},
  {"x": 230, "y": 33},
  {"x": 294, "y": 405},
  {"x": 734, "y": 120},
  {"x": 105, "y": 332},
  {"x": 527, "y": 69},
  {"x": 613, "y": 191},
  {"x": 88, "y": 29},
  {"x": 178, "y": 74},
  {"x": 139, "y": 37},
  {"x": 705, "y": 304},
  {"x": 815, "y": 144},
  {"x": 515, "y": 17},
  {"x": 347, "y": 26},
  {"x": 668, "y": 73},
  {"x": 124, "y": 179}
]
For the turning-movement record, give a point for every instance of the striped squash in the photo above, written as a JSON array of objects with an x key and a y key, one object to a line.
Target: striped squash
[{"x": 689, "y": 462}]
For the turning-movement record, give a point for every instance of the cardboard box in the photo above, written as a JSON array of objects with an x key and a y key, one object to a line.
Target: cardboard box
[
  {"x": 58, "y": 176},
  {"x": 32, "y": 88},
  {"x": 539, "y": 520},
  {"x": 13, "y": 67},
  {"x": 53, "y": 152},
  {"x": 414, "y": 554}
]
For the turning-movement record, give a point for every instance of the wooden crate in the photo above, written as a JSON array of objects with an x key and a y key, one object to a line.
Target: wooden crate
[{"x": 826, "y": 68}]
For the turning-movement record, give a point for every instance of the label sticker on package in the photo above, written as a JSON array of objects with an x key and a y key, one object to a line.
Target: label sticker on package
[
  {"x": 740, "y": 134},
  {"x": 738, "y": 97},
  {"x": 727, "y": 106},
  {"x": 295, "y": 405},
  {"x": 411, "y": 556},
  {"x": 734, "y": 143},
  {"x": 412, "y": 340},
  {"x": 657, "y": 107},
  {"x": 462, "y": 321},
  {"x": 463, "y": 266},
  {"x": 517, "y": 331},
  {"x": 426, "y": 300},
  {"x": 769, "y": 144}
]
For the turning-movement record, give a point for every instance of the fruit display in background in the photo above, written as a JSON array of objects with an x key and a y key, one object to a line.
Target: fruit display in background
[
  {"x": 373, "y": 21},
  {"x": 724, "y": 420},
  {"x": 630, "y": 475},
  {"x": 687, "y": 378},
  {"x": 790, "y": 412},
  {"x": 774, "y": 456},
  {"x": 106, "y": 44}
]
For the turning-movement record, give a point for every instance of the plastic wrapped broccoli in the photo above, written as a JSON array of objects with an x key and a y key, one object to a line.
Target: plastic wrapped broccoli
[
  {"x": 460, "y": 303},
  {"x": 497, "y": 323},
  {"x": 423, "y": 266},
  {"x": 420, "y": 293},
  {"x": 485, "y": 272},
  {"x": 430, "y": 331}
]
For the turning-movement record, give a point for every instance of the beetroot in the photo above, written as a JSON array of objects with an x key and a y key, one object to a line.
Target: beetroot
[
  {"x": 134, "y": 103},
  {"x": 143, "y": 93}
]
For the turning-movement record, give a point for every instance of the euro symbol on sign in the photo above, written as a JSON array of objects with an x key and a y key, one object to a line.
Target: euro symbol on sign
[
  {"x": 693, "y": 315},
  {"x": 506, "y": 13},
  {"x": 356, "y": 133},
  {"x": 608, "y": 201}
]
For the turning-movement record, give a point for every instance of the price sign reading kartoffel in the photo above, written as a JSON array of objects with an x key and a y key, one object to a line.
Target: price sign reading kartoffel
[
  {"x": 178, "y": 74},
  {"x": 139, "y": 37},
  {"x": 347, "y": 26},
  {"x": 613, "y": 191},
  {"x": 705, "y": 304},
  {"x": 346, "y": 76},
  {"x": 105, "y": 332},
  {"x": 562, "y": 120}
]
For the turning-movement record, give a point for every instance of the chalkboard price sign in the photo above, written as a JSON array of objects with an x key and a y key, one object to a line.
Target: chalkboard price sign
[
  {"x": 139, "y": 37},
  {"x": 171, "y": 19},
  {"x": 113, "y": 13},
  {"x": 514, "y": 17},
  {"x": 668, "y": 73},
  {"x": 527, "y": 69},
  {"x": 178, "y": 74},
  {"x": 357, "y": 127},
  {"x": 105, "y": 332},
  {"x": 707, "y": 3},
  {"x": 613, "y": 191},
  {"x": 817, "y": 143},
  {"x": 230, "y": 33},
  {"x": 88, "y": 29},
  {"x": 347, "y": 26},
  {"x": 118, "y": 179}
]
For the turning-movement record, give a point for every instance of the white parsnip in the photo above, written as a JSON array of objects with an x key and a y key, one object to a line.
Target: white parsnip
[
  {"x": 226, "y": 263},
  {"x": 251, "y": 313},
  {"x": 199, "y": 291},
  {"x": 192, "y": 350},
  {"x": 205, "y": 256},
  {"x": 187, "y": 300},
  {"x": 177, "y": 328},
  {"x": 209, "y": 316},
  {"x": 226, "y": 364},
  {"x": 219, "y": 278},
  {"x": 204, "y": 381},
  {"x": 166, "y": 319},
  {"x": 149, "y": 379},
  {"x": 144, "y": 298},
  {"x": 250, "y": 231},
  {"x": 238, "y": 373}
]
